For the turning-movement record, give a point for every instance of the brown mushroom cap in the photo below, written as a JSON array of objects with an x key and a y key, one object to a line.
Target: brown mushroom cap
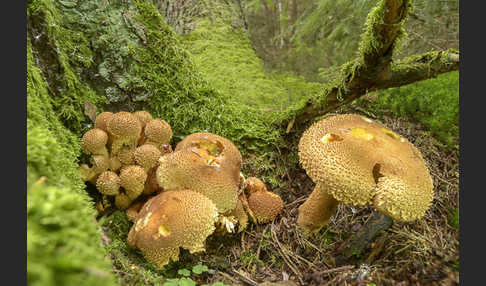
[
  {"x": 362, "y": 162},
  {"x": 264, "y": 205},
  {"x": 126, "y": 156},
  {"x": 102, "y": 119},
  {"x": 200, "y": 169},
  {"x": 108, "y": 183},
  {"x": 94, "y": 142},
  {"x": 143, "y": 116},
  {"x": 122, "y": 201},
  {"x": 132, "y": 179},
  {"x": 147, "y": 156},
  {"x": 158, "y": 132},
  {"x": 231, "y": 154},
  {"x": 170, "y": 220},
  {"x": 253, "y": 184},
  {"x": 125, "y": 129}
]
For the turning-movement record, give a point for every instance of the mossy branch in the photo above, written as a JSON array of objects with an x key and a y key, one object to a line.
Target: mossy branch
[{"x": 374, "y": 69}]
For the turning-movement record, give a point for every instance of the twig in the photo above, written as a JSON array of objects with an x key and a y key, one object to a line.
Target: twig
[
  {"x": 245, "y": 279},
  {"x": 284, "y": 256},
  {"x": 334, "y": 270}
]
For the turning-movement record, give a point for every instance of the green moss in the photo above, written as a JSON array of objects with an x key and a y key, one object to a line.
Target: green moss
[
  {"x": 63, "y": 242},
  {"x": 453, "y": 218}
]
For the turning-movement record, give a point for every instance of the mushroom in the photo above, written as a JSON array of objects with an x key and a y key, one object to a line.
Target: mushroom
[
  {"x": 151, "y": 185},
  {"x": 201, "y": 167},
  {"x": 132, "y": 179},
  {"x": 170, "y": 220},
  {"x": 147, "y": 156},
  {"x": 240, "y": 214},
  {"x": 122, "y": 201},
  {"x": 124, "y": 129},
  {"x": 265, "y": 206},
  {"x": 132, "y": 211},
  {"x": 157, "y": 132},
  {"x": 144, "y": 117},
  {"x": 102, "y": 119},
  {"x": 108, "y": 183},
  {"x": 232, "y": 155},
  {"x": 357, "y": 161},
  {"x": 126, "y": 156},
  {"x": 94, "y": 142}
]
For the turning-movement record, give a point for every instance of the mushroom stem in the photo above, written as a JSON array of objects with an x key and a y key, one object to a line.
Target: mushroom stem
[
  {"x": 317, "y": 209},
  {"x": 362, "y": 239}
]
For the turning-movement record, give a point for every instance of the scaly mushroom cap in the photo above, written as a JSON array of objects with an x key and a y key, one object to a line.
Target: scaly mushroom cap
[
  {"x": 108, "y": 183},
  {"x": 147, "y": 156},
  {"x": 94, "y": 142},
  {"x": 170, "y": 220},
  {"x": 143, "y": 116},
  {"x": 126, "y": 156},
  {"x": 125, "y": 130},
  {"x": 253, "y": 184},
  {"x": 122, "y": 201},
  {"x": 231, "y": 154},
  {"x": 265, "y": 206},
  {"x": 200, "y": 168},
  {"x": 158, "y": 132},
  {"x": 362, "y": 162},
  {"x": 132, "y": 179},
  {"x": 102, "y": 119}
]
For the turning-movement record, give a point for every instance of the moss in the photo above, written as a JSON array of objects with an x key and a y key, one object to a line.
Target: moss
[{"x": 63, "y": 244}]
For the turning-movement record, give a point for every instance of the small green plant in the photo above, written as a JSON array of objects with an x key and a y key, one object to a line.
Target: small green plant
[
  {"x": 453, "y": 218},
  {"x": 185, "y": 279}
]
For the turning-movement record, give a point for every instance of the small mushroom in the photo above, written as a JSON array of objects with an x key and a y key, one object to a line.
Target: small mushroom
[
  {"x": 265, "y": 206},
  {"x": 147, "y": 156},
  {"x": 157, "y": 132},
  {"x": 108, "y": 183},
  {"x": 132, "y": 179},
  {"x": 124, "y": 129},
  {"x": 126, "y": 156},
  {"x": 170, "y": 220},
  {"x": 357, "y": 161},
  {"x": 102, "y": 119},
  {"x": 122, "y": 201},
  {"x": 94, "y": 142}
]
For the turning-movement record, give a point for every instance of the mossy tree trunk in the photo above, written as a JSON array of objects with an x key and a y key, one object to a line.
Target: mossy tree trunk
[{"x": 374, "y": 67}]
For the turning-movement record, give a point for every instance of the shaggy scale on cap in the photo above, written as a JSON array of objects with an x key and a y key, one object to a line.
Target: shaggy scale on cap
[
  {"x": 94, "y": 142},
  {"x": 361, "y": 162},
  {"x": 170, "y": 220},
  {"x": 125, "y": 130},
  {"x": 201, "y": 168}
]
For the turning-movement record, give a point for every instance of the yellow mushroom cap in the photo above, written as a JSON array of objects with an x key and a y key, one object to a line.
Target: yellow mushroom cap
[
  {"x": 125, "y": 129},
  {"x": 102, "y": 119},
  {"x": 265, "y": 205},
  {"x": 122, "y": 201},
  {"x": 143, "y": 116},
  {"x": 230, "y": 153},
  {"x": 198, "y": 169},
  {"x": 108, "y": 183},
  {"x": 158, "y": 131},
  {"x": 132, "y": 179},
  {"x": 362, "y": 162},
  {"x": 253, "y": 184},
  {"x": 126, "y": 156},
  {"x": 94, "y": 142},
  {"x": 147, "y": 156},
  {"x": 170, "y": 220}
]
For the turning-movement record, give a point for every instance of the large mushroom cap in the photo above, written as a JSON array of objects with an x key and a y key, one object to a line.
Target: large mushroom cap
[
  {"x": 362, "y": 162},
  {"x": 170, "y": 220},
  {"x": 200, "y": 169},
  {"x": 230, "y": 153}
]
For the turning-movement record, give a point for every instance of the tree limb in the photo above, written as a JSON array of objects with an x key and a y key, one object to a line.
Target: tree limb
[{"x": 374, "y": 69}]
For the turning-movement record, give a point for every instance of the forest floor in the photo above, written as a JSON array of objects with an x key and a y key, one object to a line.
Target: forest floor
[{"x": 423, "y": 252}]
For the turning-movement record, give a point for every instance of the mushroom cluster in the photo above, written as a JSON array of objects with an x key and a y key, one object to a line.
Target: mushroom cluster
[
  {"x": 125, "y": 148},
  {"x": 357, "y": 161},
  {"x": 175, "y": 198}
]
